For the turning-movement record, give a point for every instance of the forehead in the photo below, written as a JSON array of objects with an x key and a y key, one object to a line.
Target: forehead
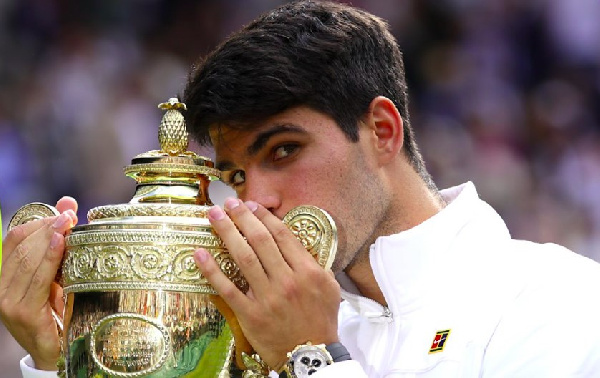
[
  {"x": 222, "y": 135},
  {"x": 300, "y": 120}
]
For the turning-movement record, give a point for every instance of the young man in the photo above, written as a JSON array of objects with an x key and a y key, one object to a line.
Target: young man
[{"x": 308, "y": 105}]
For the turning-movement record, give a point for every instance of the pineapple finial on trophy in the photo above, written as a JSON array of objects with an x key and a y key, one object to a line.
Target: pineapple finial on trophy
[{"x": 172, "y": 134}]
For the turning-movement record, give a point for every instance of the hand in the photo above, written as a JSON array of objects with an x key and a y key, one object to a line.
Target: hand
[
  {"x": 291, "y": 299},
  {"x": 32, "y": 255}
]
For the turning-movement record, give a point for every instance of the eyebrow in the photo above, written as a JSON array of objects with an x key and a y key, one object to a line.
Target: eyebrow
[
  {"x": 263, "y": 137},
  {"x": 261, "y": 140}
]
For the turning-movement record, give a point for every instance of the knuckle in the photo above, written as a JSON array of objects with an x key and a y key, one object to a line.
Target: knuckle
[
  {"x": 255, "y": 318},
  {"x": 332, "y": 286},
  {"x": 289, "y": 288},
  {"x": 207, "y": 270},
  {"x": 259, "y": 238},
  {"x": 17, "y": 233},
  {"x": 5, "y": 306},
  {"x": 228, "y": 293},
  {"x": 318, "y": 277},
  {"x": 25, "y": 266},
  {"x": 277, "y": 306},
  {"x": 315, "y": 272},
  {"x": 37, "y": 281},
  {"x": 21, "y": 251},
  {"x": 247, "y": 260},
  {"x": 48, "y": 221},
  {"x": 281, "y": 232}
]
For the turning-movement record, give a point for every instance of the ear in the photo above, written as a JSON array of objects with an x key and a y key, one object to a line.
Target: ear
[{"x": 387, "y": 128}]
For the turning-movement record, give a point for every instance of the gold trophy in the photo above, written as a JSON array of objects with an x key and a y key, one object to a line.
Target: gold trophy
[{"x": 135, "y": 303}]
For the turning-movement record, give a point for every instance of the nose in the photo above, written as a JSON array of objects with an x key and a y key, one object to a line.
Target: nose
[{"x": 263, "y": 190}]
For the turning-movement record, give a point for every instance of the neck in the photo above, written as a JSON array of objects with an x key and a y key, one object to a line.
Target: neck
[{"x": 413, "y": 204}]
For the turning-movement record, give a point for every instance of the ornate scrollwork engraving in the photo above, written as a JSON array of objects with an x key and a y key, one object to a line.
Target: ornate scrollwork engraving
[
  {"x": 149, "y": 263},
  {"x": 111, "y": 263},
  {"x": 136, "y": 258},
  {"x": 141, "y": 266},
  {"x": 184, "y": 266},
  {"x": 83, "y": 262}
]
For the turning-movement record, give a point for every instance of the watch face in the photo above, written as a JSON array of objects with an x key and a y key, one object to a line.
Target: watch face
[{"x": 308, "y": 360}]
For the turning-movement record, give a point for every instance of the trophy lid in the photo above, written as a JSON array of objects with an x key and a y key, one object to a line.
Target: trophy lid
[
  {"x": 172, "y": 164},
  {"x": 165, "y": 177}
]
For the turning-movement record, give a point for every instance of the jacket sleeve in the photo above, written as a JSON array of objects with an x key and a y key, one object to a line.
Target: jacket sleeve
[{"x": 28, "y": 371}]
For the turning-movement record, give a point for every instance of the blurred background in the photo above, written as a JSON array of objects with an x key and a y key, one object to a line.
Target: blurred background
[{"x": 505, "y": 93}]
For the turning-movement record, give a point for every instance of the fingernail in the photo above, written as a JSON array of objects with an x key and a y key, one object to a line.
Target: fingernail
[
  {"x": 216, "y": 213},
  {"x": 61, "y": 221},
  {"x": 55, "y": 241},
  {"x": 201, "y": 255},
  {"x": 251, "y": 205},
  {"x": 231, "y": 203}
]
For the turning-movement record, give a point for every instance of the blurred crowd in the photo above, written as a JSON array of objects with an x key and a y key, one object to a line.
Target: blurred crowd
[{"x": 505, "y": 93}]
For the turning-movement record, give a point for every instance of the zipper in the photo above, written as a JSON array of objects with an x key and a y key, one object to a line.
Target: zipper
[{"x": 385, "y": 316}]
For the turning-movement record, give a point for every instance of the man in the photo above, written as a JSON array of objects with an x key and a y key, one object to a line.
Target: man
[{"x": 308, "y": 105}]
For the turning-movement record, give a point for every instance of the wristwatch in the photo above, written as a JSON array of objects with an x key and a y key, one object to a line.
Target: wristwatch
[{"x": 307, "y": 359}]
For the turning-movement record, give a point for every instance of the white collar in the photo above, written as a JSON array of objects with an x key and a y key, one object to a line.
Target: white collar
[{"x": 402, "y": 262}]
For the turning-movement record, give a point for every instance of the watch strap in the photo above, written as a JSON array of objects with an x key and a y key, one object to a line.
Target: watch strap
[{"x": 338, "y": 352}]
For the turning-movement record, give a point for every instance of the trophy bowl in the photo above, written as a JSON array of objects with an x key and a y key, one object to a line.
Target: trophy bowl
[{"x": 136, "y": 305}]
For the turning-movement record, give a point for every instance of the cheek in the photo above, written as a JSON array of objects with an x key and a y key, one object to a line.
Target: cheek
[
  {"x": 324, "y": 177},
  {"x": 313, "y": 183}
]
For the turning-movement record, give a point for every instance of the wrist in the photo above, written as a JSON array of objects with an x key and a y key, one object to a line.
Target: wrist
[
  {"x": 280, "y": 366},
  {"x": 44, "y": 365}
]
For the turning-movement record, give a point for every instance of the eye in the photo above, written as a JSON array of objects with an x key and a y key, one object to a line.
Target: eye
[
  {"x": 234, "y": 178},
  {"x": 283, "y": 151}
]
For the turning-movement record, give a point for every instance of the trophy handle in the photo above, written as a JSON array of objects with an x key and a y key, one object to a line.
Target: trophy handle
[
  {"x": 33, "y": 211},
  {"x": 316, "y": 230}
]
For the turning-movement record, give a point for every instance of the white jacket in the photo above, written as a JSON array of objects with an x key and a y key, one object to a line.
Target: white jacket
[
  {"x": 503, "y": 307},
  {"x": 512, "y": 308}
]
